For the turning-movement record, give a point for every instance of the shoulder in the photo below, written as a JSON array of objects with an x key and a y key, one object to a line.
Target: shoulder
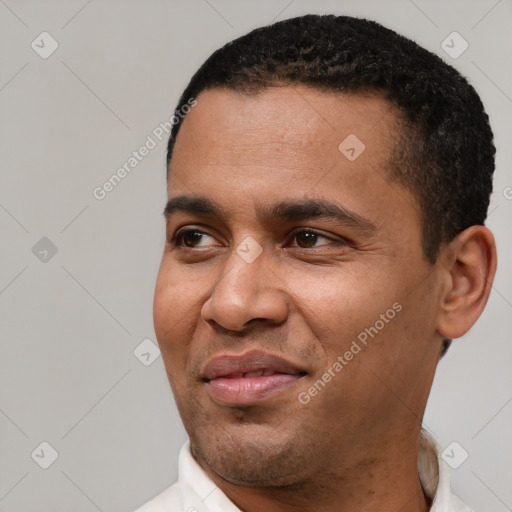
[
  {"x": 167, "y": 501},
  {"x": 459, "y": 505}
]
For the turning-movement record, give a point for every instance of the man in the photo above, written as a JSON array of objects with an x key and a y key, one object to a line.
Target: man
[{"x": 325, "y": 243}]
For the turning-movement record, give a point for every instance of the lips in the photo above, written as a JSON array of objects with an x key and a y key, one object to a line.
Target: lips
[{"x": 250, "y": 378}]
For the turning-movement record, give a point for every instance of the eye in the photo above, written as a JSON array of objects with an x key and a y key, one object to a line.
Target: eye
[
  {"x": 191, "y": 238},
  {"x": 307, "y": 238}
]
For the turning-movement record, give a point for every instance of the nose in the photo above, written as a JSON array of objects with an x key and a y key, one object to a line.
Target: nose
[{"x": 246, "y": 292}]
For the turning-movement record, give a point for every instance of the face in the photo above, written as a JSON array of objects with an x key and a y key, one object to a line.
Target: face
[{"x": 294, "y": 308}]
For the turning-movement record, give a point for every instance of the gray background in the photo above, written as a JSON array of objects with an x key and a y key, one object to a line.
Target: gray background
[{"x": 70, "y": 321}]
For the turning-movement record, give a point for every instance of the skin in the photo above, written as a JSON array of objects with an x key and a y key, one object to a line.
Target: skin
[{"x": 354, "y": 445}]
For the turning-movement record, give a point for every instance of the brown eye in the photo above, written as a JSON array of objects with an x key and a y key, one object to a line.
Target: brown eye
[
  {"x": 306, "y": 239},
  {"x": 191, "y": 238}
]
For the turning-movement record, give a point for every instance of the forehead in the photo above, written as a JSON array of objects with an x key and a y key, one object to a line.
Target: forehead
[
  {"x": 251, "y": 150},
  {"x": 288, "y": 122}
]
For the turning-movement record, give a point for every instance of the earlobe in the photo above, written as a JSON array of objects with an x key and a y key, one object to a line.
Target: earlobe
[{"x": 469, "y": 269}]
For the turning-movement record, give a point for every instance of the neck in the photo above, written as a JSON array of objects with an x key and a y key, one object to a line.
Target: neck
[{"x": 384, "y": 479}]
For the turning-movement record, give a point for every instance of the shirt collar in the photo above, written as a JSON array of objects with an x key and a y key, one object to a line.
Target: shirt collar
[
  {"x": 197, "y": 490},
  {"x": 434, "y": 474}
]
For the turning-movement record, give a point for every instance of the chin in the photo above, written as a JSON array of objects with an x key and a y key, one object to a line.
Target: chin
[{"x": 250, "y": 455}]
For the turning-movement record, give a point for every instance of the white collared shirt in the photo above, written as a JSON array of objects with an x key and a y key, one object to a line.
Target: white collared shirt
[{"x": 195, "y": 492}]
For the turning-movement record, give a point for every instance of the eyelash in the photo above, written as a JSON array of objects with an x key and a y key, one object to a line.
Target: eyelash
[{"x": 177, "y": 239}]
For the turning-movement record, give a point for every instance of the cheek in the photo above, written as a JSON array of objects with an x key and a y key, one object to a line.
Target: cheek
[
  {"x": 175, "y": 303},
  {"x": 342, "y": 301}
]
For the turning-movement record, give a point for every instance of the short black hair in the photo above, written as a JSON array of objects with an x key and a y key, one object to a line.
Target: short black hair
[{"x": 444, "y": 153}]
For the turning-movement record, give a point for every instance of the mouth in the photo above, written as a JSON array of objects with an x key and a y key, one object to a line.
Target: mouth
[{"x": 250, "y": 378}]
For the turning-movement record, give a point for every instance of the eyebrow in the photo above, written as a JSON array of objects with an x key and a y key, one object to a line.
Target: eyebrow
[
  {"x": 195, "y": 205},
  {"x": 282, "y": 211}
]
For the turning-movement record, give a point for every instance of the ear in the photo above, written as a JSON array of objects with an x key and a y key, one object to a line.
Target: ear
[{"x": 469, "y": 265}]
